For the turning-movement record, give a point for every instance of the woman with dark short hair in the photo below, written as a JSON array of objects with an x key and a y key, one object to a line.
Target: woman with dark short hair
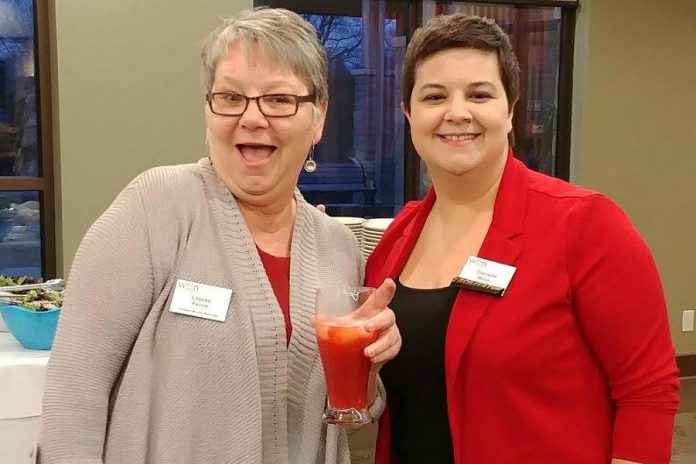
[{"x": 533, "y": 318}]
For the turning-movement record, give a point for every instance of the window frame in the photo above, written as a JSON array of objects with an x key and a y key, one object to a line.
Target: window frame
[{"x": 44, "y": 183}]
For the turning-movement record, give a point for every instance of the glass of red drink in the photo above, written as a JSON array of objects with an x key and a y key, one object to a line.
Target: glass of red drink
[{"x": 340, "y": 316}]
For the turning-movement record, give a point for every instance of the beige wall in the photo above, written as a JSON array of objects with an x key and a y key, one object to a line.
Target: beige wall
[
  {"x": 634, "y": 122},
  {"x": 127, "y": 96}
]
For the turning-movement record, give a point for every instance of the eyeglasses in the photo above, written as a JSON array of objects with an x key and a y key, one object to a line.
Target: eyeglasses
[{"x": 277, "y": 105}]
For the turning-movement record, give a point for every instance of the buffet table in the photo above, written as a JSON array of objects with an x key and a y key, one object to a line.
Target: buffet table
[{"x": 22, "y": 377}]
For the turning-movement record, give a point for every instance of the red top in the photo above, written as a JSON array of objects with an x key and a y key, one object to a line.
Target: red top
[
  {"x": 278, "y": 272},
  {"x": 574, "y": 363}
]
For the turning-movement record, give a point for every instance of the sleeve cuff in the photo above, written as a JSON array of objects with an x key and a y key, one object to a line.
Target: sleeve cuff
[
  {"x": 643, "y": 435},
  {"x": 35, "y": 458},
  {"x": 377, "y": 407}
]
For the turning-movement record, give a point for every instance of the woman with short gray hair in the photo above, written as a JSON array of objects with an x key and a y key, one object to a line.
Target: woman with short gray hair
[{"x": 186, "y": 335}]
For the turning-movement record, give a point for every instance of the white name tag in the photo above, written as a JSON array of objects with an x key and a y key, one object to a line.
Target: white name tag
[
  {"x": 200, "y": 300},
  {"x": 485, "y": 276}
]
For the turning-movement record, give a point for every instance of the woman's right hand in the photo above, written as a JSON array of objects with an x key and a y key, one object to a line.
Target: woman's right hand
[{"x": 382, "y": 320}]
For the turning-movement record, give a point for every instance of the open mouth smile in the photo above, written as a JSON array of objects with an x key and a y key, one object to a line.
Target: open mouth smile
[{"x": 255, "y": 154}]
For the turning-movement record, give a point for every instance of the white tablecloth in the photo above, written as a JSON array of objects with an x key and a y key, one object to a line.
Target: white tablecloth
[{"x": 22, "y": 377}]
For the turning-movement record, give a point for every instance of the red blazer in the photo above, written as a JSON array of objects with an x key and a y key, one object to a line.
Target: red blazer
[{"x": 574, "y": 364}]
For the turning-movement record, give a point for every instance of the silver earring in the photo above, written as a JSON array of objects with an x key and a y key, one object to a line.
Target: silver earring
[{"x": 310, "y": 165}]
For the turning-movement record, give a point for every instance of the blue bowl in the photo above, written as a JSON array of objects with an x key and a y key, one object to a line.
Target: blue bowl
[{"x": 33, "y": 329}]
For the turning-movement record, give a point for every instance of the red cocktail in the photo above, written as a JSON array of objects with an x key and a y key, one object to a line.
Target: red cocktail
[
  {"x": 346, "y": 367},
  {"x": 342, "y": 341}
]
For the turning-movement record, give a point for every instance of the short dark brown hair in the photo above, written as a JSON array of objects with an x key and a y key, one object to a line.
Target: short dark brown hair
[{"x": 459, "y": 30}]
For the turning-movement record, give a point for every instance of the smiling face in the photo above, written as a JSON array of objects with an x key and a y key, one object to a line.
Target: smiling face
[
  {"x": 459, "y": 114},
  {"x": 260, "y": 158}
]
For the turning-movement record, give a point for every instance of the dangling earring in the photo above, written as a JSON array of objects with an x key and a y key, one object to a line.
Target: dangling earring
[{"x": 310, "y": 165}]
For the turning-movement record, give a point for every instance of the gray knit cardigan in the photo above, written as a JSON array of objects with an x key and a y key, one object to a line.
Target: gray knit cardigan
[{"x": 130, "y": 382}]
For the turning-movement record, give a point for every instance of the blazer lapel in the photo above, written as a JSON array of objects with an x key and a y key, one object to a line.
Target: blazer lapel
[
  {"x": 470, "y": 306},
  {"x": 404, "y": 245},
  {"x": 467, "y": 311}
]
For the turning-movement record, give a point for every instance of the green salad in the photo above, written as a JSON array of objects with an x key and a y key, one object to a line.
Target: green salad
[
  {"x": 9, "y": 281},
  {"x": 33, "y": 300},
  {"x": 40, "y": 300}
]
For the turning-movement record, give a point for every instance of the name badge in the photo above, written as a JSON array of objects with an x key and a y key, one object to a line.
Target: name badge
[
  {"x": 200, "y": 300},
  {"x": 485, "y": 276}
]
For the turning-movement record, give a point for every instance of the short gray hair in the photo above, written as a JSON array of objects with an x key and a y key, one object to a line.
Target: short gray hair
[{"x": 285, "y": 37}]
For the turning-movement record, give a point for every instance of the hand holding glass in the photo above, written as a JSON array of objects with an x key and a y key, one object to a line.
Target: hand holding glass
[{"x": 340, "y": 317}]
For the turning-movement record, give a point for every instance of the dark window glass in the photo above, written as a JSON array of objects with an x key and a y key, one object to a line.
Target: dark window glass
[
  {"x": 27, "y": 240},
  {"x": 536, "y": 36},
  {"x": 20, "y": 233},
  {"x": 19, "y": 154},
  {"x": 361, "y": 156}
]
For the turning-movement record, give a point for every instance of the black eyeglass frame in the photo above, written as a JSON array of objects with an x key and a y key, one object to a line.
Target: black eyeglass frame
[{"x": 298, "y": 99}]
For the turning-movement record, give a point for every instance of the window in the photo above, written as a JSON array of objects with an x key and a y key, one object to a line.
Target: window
[
  {"x": 367, "y": 164},
  {"x": 27, "y": 241},
  {"x": 535, "y": 32},
  {"x": 360, "y": 159}
]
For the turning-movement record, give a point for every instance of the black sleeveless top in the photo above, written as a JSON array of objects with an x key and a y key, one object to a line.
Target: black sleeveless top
[{"x": 415, "y": 379}]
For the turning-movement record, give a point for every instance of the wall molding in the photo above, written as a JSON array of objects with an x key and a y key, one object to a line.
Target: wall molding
[{"x": 686, "y": 363}]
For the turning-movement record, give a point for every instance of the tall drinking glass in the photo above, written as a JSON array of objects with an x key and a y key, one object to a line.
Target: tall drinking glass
[{"x": 340, "y": 317}]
